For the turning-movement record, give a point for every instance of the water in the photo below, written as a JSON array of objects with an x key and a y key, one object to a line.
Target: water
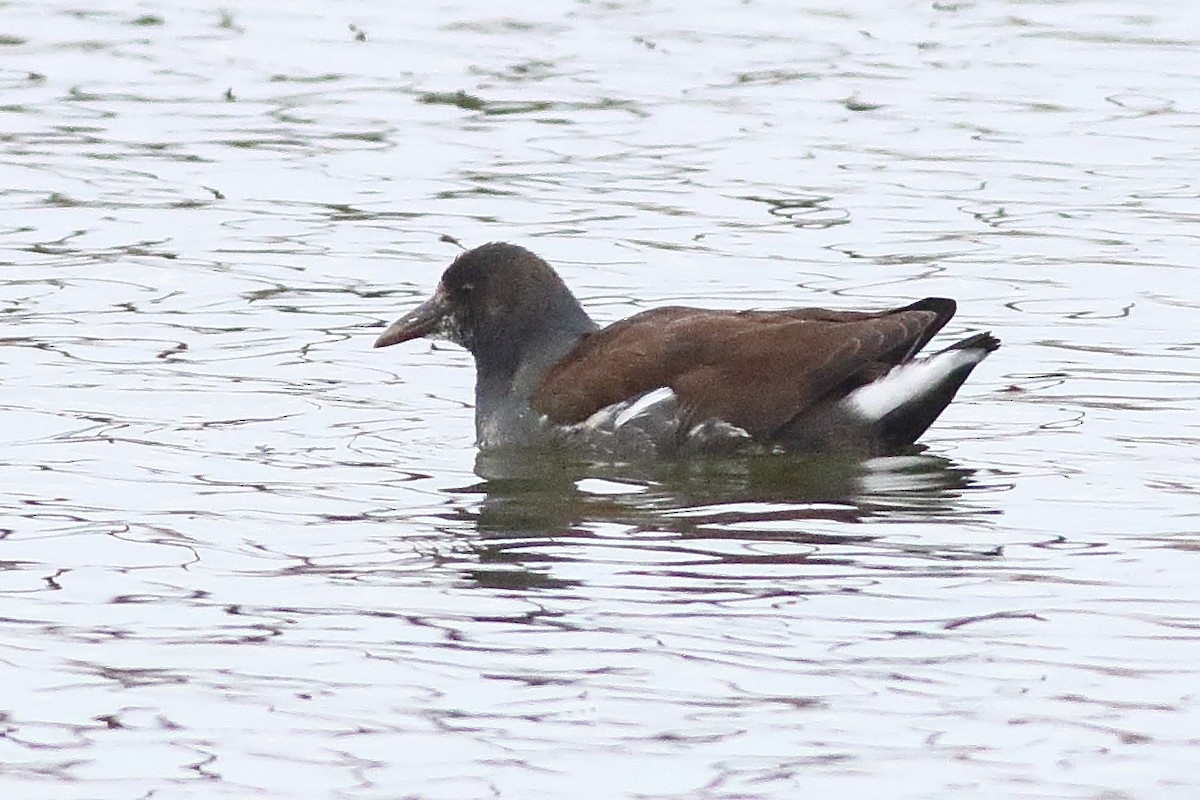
[{"x": 246, "y": 555}]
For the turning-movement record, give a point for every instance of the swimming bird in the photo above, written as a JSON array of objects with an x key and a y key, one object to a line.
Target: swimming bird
[{"x": 679, "y": 379}]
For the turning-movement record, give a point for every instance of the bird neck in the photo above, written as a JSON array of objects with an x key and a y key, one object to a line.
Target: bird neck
[{"x": 507, "y": 373}]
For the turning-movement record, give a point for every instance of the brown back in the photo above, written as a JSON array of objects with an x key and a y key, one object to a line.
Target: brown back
[{"x": 755, "y": 369}]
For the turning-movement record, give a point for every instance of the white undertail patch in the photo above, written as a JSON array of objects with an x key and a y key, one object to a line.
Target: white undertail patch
[{"x": 909, "y": 381}]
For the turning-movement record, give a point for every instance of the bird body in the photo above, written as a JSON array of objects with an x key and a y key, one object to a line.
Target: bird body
[{"x": 686, "y": 379}]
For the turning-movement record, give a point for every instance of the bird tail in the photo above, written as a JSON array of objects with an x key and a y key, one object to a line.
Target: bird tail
[{"x": 902, "y": 404}]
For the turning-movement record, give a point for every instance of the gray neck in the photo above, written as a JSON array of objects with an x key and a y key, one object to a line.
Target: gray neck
[{"x": 503, "y": 386}]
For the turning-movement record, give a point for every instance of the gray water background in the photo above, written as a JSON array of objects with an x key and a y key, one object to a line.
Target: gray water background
[{"x": 244, "y": 555}]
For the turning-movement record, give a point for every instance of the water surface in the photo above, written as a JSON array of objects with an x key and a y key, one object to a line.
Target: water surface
[{"x": 246, "y": 555}]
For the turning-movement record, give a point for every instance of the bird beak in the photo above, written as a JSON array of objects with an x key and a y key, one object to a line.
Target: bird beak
[{"x": 431, "y": 317}]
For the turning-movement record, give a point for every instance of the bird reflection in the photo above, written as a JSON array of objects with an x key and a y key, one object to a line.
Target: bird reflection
[
  {"x": 539, "y": 493},
  {"x": 530, "y": 500}
]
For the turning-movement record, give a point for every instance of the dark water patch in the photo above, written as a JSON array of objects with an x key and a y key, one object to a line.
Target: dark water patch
[
  {"x": 470, "y": 102},
  {"x": 328, "y": 77}
]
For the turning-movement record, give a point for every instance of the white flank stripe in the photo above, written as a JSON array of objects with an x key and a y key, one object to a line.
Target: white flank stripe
[
  {"x": 909, "y": 381},
  {"x": 601, "y": 418},
  {"x": 644, "y": 403}
]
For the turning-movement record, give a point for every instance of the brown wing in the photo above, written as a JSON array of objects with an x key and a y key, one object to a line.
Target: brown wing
[{"x": 754, "y": 369}]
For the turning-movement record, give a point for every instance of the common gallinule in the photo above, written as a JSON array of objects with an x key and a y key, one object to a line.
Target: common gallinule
[{"x": 690, "y": 379}]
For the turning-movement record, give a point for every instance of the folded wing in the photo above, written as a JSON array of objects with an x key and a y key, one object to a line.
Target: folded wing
[{"x": 757, "y": 370}]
